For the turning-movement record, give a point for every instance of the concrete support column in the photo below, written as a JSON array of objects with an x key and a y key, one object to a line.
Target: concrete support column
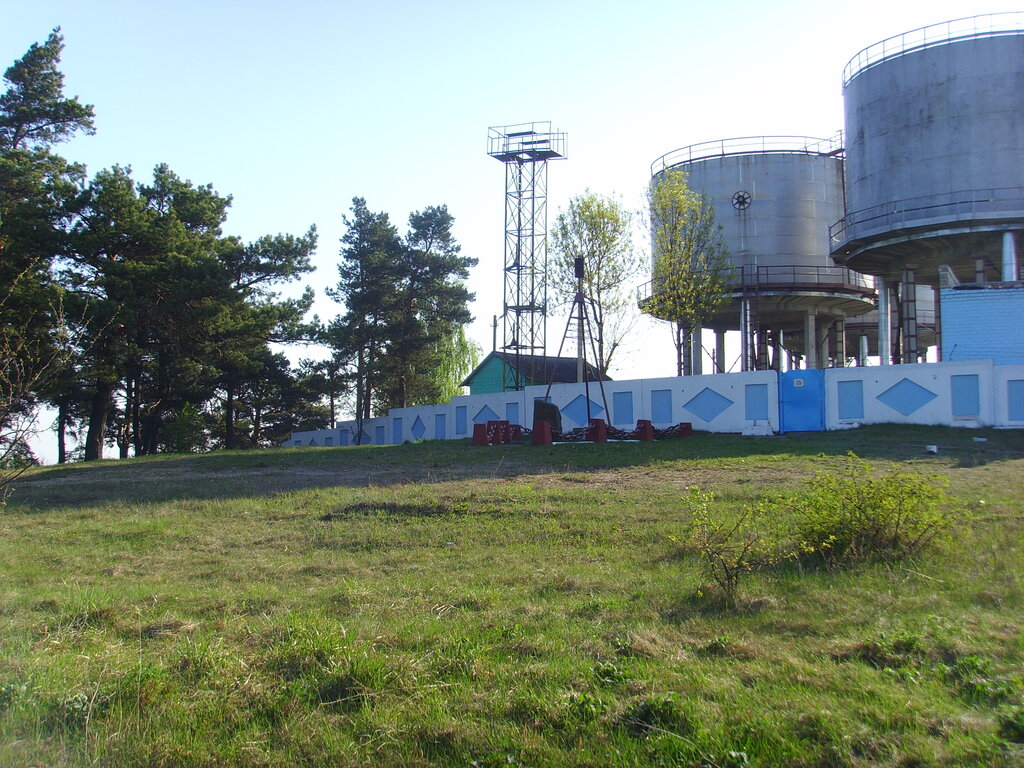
[
  {"x": 777, "y": 349},
  {"x": 823, "y": 336},
  {"x": 979, "y": 270},
  {"x": 745, "y": 340},
  {"x": 720, "y": 351},
  {"x": 862, "y": 352},
  {"x": 841, "y": 342},
  {"x": 909, "y": 295},
  {"x": 762, "y": 350},
  {"x": 1010, "y": 269},
  {"x": 697, "y": 356},
  {"x": 884, "y": 323},
  {"x": 810, "y": 340}
]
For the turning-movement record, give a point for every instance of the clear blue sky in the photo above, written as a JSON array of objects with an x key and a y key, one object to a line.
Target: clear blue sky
[{"x": 296, "y": 107}]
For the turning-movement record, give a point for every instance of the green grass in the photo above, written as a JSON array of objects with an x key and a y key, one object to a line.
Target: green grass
[{"x": 439, "y": 604}]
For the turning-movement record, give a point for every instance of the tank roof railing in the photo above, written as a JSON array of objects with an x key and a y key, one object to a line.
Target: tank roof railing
[
  {"x": 967, "y": 28},
  {"x": 750, "y": 145},
  {"x": 796, "y": 277},
  {"x": 958, "y": 205}
]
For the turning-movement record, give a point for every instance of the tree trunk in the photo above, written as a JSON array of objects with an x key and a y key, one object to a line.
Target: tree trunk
[
  {"x": 62, "y": 426},
  {"x": 229, "y": 419},
  {"x": 98, "y": 411}
]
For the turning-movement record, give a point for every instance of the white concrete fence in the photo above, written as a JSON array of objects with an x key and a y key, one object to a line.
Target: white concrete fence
[{"x": 973, "y": 393}]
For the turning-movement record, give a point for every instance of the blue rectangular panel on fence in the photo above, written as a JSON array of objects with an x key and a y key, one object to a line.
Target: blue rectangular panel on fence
[
  {"x": 661, "y": 406},
  {"x": 851, "y": 399},
  {"x": 512, "y": 413},
  {"x": 460, "y": 419},
  {"x": 755, "y": 402},
  {"x": 378, "y": 435},
  {"x": 440, "y": 433},
  {"x": 965, "y": 393},
  {"x": 1015, "y": 399},
  {"x": 622, "y": 408},
  {"x": 396, "y": 430}
]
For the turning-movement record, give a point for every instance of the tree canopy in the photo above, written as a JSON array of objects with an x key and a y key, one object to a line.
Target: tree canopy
[
  {"x": 598, "y": 230},
  {"x": 691, "y": 269},
  {"x": 405, "y": 305}
]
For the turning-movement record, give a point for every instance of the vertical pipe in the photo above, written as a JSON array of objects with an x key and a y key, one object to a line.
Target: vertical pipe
[
  {"x": 1010, "y": 272},
  {"x": 810, "y": 340},
  {"x": 884, "y": 322},
  {"x": 862, "y": 356}
]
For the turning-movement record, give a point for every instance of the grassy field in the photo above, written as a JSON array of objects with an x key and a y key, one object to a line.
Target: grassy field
[{"x": 439, "y": 604}]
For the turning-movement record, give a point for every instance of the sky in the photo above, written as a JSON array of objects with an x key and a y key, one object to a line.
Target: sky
[{"x": 294, "y": 108}]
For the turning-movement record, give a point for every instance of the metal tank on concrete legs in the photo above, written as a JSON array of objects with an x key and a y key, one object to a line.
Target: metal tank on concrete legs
[
  {"x": 934, "y": 159},
  {"x": 775, "y": 197}
]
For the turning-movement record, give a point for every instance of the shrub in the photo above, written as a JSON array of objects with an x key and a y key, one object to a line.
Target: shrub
[
  {"x": 856, "y": 516},
  {"x": 728, "y": 548},
  {"x": 842, "y": 518}
]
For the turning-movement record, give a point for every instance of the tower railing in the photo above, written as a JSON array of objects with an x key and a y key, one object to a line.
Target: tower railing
[
  {"x": 797, "y": 277},
  {"x": 967, "y": 28},
  {"x": 965, "y": 204},
  {"x": 750, "y": 145}
]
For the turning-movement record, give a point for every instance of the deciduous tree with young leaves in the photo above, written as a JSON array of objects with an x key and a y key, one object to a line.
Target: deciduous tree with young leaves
[
  {"x": 691, "y": 269},
  {"x": 598, "y": 230}
]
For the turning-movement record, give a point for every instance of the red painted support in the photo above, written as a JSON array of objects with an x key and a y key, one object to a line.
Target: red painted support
[
  {"x": 597, "y": 431},
  {"x": 541, "y": 433},
  {"x": 479, "y": 434},
  {"x": 685, "y": 429},
  {"x": 644, "y": 430}
]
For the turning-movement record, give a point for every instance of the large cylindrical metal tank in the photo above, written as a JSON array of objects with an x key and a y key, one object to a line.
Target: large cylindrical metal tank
[
  {"x": 935, "y": 152},
  {"x": 775, "y": 198}
]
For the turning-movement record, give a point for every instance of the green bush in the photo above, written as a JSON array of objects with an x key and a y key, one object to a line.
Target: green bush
[
  {"x": 842, "y": 518},
  {"x": 730, "y": 547},
  {"x": 857, "y": 516}
]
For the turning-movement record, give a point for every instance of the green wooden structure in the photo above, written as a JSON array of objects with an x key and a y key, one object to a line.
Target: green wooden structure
[{"x": 490, "y": 374}]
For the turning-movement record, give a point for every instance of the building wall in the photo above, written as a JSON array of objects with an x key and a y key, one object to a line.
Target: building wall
[
  {"x": 983, "y": 324},
  {"x": 488, "y": 378}
]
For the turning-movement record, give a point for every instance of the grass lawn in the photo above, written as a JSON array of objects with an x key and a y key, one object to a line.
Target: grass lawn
[{"x": 438, "y": 604}]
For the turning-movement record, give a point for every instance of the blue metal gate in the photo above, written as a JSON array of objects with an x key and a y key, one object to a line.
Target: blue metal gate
[{"x": 802, "y": 400}]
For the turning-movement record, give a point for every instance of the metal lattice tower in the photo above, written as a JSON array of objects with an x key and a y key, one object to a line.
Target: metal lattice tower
[{"x": 525, "y": 150}]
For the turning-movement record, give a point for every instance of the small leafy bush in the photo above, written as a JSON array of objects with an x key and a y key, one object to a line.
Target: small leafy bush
[
  {"x": 856, "y": 516},
  {"x": 728, "y": 548},
  {"x": 843, "y": 518}
]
